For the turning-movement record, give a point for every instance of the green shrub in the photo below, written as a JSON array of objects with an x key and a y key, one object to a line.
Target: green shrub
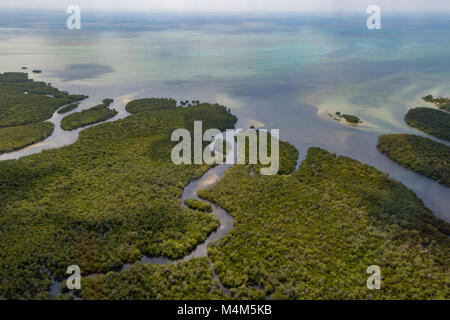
[
  {"x": 351, "y": 118},
  {"x": 198, "y": 205}
]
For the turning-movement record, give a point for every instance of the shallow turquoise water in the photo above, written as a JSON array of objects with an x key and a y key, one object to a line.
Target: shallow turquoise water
[{"x": 281, "y": 72}]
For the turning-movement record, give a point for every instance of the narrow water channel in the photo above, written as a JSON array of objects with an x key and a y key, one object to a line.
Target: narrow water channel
[{"x": 190, "y": 192}]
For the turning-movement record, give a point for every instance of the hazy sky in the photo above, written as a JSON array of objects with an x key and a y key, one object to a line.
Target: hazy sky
[{"x": 236, "y": 5}]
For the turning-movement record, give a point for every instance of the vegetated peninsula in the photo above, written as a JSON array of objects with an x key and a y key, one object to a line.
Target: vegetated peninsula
[
  {"x": 422, "y": 155},
  {"x": 68, "y": 108},
  {"x": 440, "y": 102},
  {"x": 25, "y": 105},
  {"x": 18, "y": 137},
  {"x": 86, "y": 117},
  {"x": 148, "y": 104},
  {"x": 431, "y": 121}
]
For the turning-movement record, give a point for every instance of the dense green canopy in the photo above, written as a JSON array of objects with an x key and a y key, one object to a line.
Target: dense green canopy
[
  {"x": 312, "y": 235},
  {"x": 24, "y": 101},
  {"x": 17, "y": 137},
  {"x": 24, "y": 106},
  {"x": 309, "y": 235},
  {"x": 431, "y": 121},
  {"x": 422, "y": 155},
  {"x": 86, "y": 117}
]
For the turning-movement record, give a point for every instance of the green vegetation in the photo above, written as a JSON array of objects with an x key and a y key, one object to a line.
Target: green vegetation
[
  {"x": 187, "y": 103},
  {"x": 308, "y": 235},
  {"x": 351, "y": 118},
  {"x": 422, "y": 155},
  {"x": 107, "y": 199},
  {"x": 24, "y": 106},
  {"x": 24, "y": 101},
  {"x": 191, "y": 279},
  {"x": 150, "y": 104},
  {"x": 348, "y": 117},
  {"x": 440, "y": 102},
  {"x": 86, "y": 117},
  {"x": 431, "y": 121},
  {"x": 288, "y": 156},
  {"x": 198, "y": 205},
  {"x": 312, "y": 234},
  {"x": 68, "y": 108},
  {"x": 14, "y": 138}
]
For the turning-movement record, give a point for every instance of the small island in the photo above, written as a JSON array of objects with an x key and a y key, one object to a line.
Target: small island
[
  {"x": 198, "y": 205},
  {"x": 440, "y": 102},
  {"x": 352, "y": 119},
  {"x": 90, "y": 116},
  {"x": 431, "y": 121}
]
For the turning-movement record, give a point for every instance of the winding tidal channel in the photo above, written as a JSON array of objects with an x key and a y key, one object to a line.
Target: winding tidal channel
[
  {"x": 60, "y": 138},
  {"x": 190, "y": 192}
]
